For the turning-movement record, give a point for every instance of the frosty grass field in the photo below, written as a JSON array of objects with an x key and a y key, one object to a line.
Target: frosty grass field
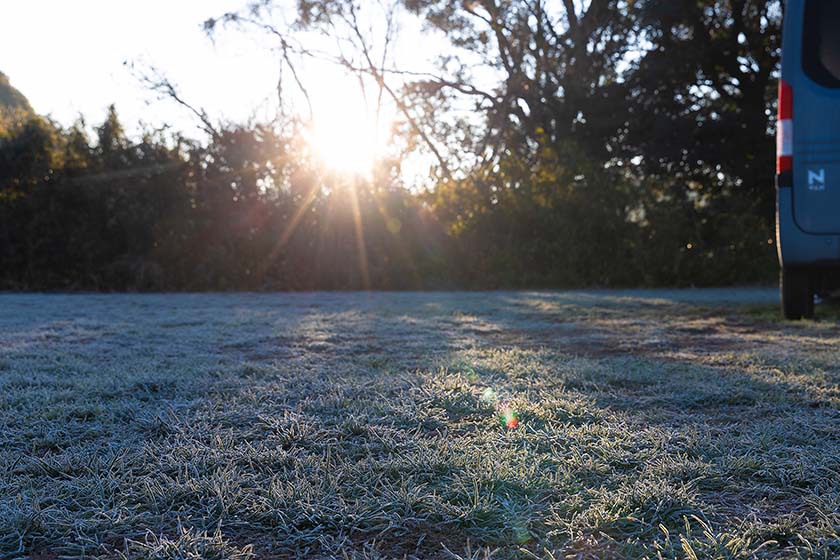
[{"x": 680, "y": 424}]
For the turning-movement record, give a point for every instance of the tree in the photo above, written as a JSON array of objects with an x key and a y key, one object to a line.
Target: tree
[
  {"x": 570, "y": 150},
  {"x": 10, "y": 98}
]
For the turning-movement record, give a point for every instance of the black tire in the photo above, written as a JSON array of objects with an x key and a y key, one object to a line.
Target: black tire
[{"x": 797, "y": 294}]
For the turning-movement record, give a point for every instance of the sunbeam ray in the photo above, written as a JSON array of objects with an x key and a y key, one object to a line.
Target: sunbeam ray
[
  {"x": 360, "y": 237},
  {"x": 292, "y": 226}
]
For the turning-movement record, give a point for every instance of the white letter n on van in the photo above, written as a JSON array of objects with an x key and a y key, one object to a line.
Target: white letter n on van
[{"x": 816, "y": 180}]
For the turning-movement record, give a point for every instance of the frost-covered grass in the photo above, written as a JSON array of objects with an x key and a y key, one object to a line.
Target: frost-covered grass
[{"x": 673, "y": 424}]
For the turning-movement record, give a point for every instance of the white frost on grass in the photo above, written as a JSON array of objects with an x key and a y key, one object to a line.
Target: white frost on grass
[{"x": 364, "y": 425}]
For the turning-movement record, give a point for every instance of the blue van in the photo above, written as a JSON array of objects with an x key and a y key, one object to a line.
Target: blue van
[{"x": 808, "y": 155}]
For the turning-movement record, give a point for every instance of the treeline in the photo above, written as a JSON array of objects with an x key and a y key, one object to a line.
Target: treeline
[
  {"x": 598, "y": 163},
  {"x": 246, "y": 211}
]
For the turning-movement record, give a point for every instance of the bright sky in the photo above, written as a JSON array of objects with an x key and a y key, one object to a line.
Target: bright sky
[{"x": 67, "y": 57}]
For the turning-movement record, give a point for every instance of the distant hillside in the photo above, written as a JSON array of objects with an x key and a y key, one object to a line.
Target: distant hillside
[{"x": 10, "y": 98}]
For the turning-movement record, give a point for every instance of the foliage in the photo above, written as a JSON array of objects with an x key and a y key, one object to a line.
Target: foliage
[
  {"x": 663, "y": 110},
  {"x": 243, "y": 212},
  {"x": 603, "y": 143},
  {"x": 10, "y": 98}
]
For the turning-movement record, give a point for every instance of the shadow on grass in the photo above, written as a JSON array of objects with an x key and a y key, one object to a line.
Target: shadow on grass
[{"x": 367, "y": 425}]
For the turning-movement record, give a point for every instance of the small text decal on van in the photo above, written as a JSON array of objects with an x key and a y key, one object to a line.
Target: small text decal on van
[{"x": 816, "y": 180}]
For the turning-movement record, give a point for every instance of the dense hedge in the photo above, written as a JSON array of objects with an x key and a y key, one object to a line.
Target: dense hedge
[
  {"x": 623, "y": 144},
  {"x": 247, "y": 211}
]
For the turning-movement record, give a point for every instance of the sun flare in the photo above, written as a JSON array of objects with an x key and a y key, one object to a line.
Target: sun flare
[{"x": 347, "y": 140}]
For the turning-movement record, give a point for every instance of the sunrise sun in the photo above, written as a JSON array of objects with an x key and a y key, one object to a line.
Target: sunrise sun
[{"x": 347, "y": 138}]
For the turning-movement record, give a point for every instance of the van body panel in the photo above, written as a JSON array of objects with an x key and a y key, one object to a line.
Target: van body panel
[
  {"x": 796, "y": 247},
  {"x": 816, "y": 131},
  {"x": 816, "y": 157},
  {"x": 808, "y": 207}
]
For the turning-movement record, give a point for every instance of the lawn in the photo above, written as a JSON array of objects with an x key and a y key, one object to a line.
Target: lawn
[{"x": 673, "y": 424}]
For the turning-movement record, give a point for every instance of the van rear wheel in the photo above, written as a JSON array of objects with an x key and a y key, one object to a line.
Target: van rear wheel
[{"x": 797, "y": 294}]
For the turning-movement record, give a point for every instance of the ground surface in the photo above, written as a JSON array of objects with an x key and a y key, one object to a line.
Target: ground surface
[{"x": 678, "y": 424}]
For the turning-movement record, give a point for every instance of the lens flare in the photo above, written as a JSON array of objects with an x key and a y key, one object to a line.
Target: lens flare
[
  {"x": 521, "y": 534},
  {"x": 509, "y": 418},
  {"x": 508, "y": 415},
  {"x": 488, "y": 397}
]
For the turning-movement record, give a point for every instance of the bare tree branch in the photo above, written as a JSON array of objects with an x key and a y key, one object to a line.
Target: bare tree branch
[
  {"x": 157, "y": 82},
  {"x": 372, "y": 70},
  {"x": 285, "y": 47}
]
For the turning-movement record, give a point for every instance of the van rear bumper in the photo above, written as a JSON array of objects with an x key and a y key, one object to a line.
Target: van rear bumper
[{"x": 794, "y": 246}]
